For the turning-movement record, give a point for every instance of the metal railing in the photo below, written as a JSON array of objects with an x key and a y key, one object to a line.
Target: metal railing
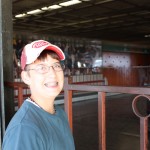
[
  {"x": 69, "y": 87},
  {"x": 22, "y": 91}
]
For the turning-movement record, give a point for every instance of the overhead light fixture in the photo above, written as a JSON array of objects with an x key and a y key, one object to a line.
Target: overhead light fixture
[
  {"x": 36, "y": 11},
  {"x": 51, "y": 7},
  {"x": 71, "y": 2},
  {"x": 21, "y": 15},
  {"x": 147, "y": 36},
  {"x": 44, "y": 8},
  {"x": 54, "y": 7}
]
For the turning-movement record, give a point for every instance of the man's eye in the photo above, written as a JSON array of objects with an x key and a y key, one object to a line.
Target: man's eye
[
  {"x": 57, "y": 66},
  {"x": 41, "y": 68}
]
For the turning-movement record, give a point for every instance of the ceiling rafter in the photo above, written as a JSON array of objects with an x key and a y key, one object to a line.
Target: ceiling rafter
[{"x": 122, "y": 20}]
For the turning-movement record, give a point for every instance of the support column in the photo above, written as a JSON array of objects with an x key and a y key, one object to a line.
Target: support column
[{"x": 6, "y": 64}]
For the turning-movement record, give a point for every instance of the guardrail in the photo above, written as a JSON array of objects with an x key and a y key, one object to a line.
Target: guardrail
[
  {"x": 22, "y": 91},
  {"x": 69, "y": 87}
]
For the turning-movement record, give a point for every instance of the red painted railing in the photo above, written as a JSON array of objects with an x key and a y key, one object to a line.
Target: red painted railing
[
  {"x": 69, "y": 87},
  {"x": 140, "y": 91}
]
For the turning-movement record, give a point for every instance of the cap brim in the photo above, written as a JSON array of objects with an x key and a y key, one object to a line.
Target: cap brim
[{"x": 57, "y": 50}]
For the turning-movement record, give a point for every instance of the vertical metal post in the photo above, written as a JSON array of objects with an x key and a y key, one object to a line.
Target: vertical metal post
[
  {"x": 143, "y": 133},
  {"x": 20, "y": 95},
  {"x": 102, "y": 120},
  {"x": 2, "y": 114},
  {"x": 2, "y": 109},
  {"x": 68, "y": 101},
  {"x": 6, "y": 52},
  {"x": 143, "y": 122}
]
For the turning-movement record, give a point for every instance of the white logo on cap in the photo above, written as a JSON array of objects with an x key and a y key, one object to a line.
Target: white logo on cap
[{"x": 39, "y": 44}]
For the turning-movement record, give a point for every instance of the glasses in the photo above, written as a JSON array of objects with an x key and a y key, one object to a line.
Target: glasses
[{"x": 44, "y": 69}]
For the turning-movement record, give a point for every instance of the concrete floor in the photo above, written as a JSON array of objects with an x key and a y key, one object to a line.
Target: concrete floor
[{"x": 122, "y": 126}]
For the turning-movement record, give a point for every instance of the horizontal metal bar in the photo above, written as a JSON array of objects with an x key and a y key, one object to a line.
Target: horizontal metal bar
[{"x": 112, "y": 89}]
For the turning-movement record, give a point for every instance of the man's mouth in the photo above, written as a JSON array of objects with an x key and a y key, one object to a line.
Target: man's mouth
[{"x": 50, "y": 84}]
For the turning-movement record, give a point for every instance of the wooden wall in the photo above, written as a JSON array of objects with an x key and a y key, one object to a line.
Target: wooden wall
[{"x": 120, "y": 70}]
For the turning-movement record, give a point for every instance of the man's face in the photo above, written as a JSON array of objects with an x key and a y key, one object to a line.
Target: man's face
[{"x": 46, "y": 85}]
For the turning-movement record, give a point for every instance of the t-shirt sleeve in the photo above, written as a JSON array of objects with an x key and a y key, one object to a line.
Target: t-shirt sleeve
[{"x": 22, "y": 137}]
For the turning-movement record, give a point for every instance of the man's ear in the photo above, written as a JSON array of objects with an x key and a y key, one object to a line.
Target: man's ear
[{"x": 25, "y": 77}]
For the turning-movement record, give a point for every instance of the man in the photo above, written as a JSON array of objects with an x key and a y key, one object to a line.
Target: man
[{"x": 38, "y": 124}]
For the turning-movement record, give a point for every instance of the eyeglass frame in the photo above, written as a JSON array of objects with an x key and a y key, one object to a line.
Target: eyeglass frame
[{"x": 47, "y": 68}]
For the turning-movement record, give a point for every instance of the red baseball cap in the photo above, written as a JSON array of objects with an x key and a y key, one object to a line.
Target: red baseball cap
[{"x": 31, "y": 51}]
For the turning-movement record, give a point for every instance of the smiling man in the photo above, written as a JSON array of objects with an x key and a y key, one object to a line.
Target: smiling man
[{"x": 39, "y": 124}]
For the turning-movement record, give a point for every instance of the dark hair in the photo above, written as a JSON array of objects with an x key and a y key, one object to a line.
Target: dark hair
[{"x": 45, "y": 53}]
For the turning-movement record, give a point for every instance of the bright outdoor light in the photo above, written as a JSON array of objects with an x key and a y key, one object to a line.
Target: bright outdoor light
[
  {"x": 36, "y": 11},
  {"x": 21, "y": 15},
  {"x": 54, "y": 7},
  {"x": 68, "y": 3}
]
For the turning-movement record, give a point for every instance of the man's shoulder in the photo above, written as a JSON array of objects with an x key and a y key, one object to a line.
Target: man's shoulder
[{"x": 21, "y": 116}]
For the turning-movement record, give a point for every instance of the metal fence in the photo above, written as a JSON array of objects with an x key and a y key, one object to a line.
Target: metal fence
[
  {"x": 102, "y": 90},
  {"x": 70, "y": 87}
]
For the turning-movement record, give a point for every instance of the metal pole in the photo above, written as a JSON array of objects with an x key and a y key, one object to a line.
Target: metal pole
[
  {"x": 68, "y": 101},
  {"x": 143, "y": 122},
  {"x": 2, "y": 112},
  {"x": 143, "y": 133},
  {"x": 5, "y": 56},
  {"x": 102, "y": 120},
  {"x": 2, "y": 109}
]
